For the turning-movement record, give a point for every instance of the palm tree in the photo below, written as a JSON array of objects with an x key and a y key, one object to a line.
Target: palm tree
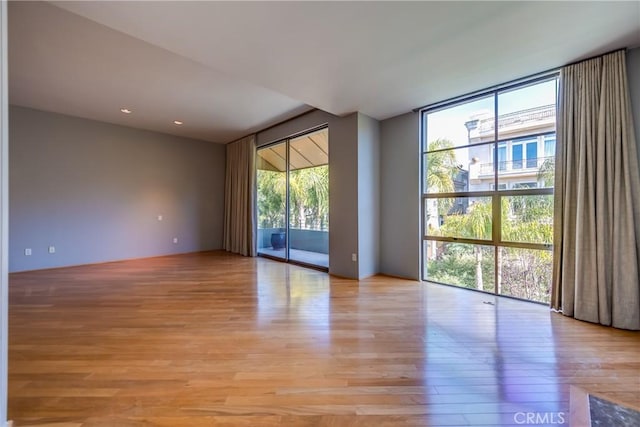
[
  {"x": 309, "y": 197},
  {"x": 479, "y": 223},
  {"x": 441, "y": 166},
  {"x": 271, "y": 198},
  {"x": 475, "y": 223}
]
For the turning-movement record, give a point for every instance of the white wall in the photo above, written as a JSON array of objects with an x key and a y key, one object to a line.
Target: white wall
[
  {"x": 94, "y": 190},
  {"x": 400, "y": 196},
  {"x": 368, "y": 196},
  {"x": 4, "y": 211}
]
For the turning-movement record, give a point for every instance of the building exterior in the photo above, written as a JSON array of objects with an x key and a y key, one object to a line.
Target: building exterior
[{"x": 528, "y": 139}]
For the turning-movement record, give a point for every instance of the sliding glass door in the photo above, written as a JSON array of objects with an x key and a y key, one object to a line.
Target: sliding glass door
[
  {"x": 272, "y": 200},
  {"x": 309, "y": 199},
  {"x": 293, "y": 199}
]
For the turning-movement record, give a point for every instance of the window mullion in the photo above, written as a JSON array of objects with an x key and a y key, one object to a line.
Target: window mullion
[{"x": 496, "y": 208}]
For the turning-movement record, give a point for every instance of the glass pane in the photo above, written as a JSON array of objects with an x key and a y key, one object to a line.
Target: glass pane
[
  {"x": 531, "y": 168},
  {"x": 309, "y": 150},
  {"x": 481, "y": 172},
  {"x": 463, "y": 217},
  {"x": 525, "y": 273},
  {"x": 309, "y": 198},
  {"x": 459, "y": 170},
  {"x": 471, "y": 122},
  {"x": 502, "y": 157},
  {"x": 460, "y": 264},
  {"x": 516, "y": 157},
  {"x": 271, "y": 200},
  {"x": 447, "y": 171},
  {"x": 532, "y": 155},
  {"x": 550, "y": 145},
  {"x": 527, "y": 219},
  {"x": 527, "y": 110},
  {"x": 523, "y": 114}
]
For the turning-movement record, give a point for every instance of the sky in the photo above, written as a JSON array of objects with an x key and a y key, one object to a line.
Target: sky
[{"x": 449, "y": 123}]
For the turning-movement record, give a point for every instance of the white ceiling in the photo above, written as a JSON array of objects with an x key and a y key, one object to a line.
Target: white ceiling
[{"x": 230, "y": 68}]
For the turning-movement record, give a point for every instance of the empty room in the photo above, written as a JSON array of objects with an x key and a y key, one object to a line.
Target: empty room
[{"x": 367, "y": 213}]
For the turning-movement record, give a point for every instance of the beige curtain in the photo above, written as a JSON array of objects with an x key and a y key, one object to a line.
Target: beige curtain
[
  {"x": 239, "y": 212},
  {"x": 597, "y": 196}
]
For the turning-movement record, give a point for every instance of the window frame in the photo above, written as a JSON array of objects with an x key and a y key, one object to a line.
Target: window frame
[{"x": 539, "y": 138}]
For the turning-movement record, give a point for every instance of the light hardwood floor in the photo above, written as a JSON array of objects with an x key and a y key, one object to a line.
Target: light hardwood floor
[{"x": 218, "y": 340}]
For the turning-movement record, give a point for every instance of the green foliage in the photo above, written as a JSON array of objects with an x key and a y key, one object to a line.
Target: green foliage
[
  {"x": 308, "y": 198},
  {"x": 441, "y": 166},
  {"x": 527, "y": 219},
  {"x": 547, "y": 172},
  {"x": 524, "y": 273},
  {"x": 476, "y": 223},
  {"x": 271, "y": 198},
  {"x": 456, "y": 264}
]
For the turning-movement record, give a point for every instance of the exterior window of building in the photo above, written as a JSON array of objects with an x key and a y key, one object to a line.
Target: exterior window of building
[
  {"x": 550, "y": 145},
  {"x": 532, "y": 155},
  {"x": 519, "y": 185},
  {"x": 502, "y": 157},
  {"x": 516, "y": 156},
  {"x": 488, "y": 172}
]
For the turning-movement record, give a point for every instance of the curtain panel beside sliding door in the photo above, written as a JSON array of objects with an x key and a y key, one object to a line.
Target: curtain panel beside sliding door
[{"x": 239, "y": 206}]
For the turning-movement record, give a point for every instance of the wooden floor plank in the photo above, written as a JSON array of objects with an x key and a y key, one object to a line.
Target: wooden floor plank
[{"x": 213, "y": 339}]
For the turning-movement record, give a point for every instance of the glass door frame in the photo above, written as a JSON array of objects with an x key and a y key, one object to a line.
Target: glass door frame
[{"x": 286, "y": 141}]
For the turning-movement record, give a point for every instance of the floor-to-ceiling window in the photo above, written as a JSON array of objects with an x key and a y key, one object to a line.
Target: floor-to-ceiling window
[
  {"x": 293, "y": 199},
  {"x": 487, "y": 204}
]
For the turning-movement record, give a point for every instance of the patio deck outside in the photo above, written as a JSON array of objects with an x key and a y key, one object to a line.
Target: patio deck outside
[{"x": 306, "y": 246}]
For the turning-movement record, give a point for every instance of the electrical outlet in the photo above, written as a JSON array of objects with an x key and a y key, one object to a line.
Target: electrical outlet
[
  {"x": 159, "y": 217},
  {"x": 52, "y": 249},
  {"x": 354, "y": 257},
  {"x": 175, "y": 240},
  {"x": 27, "y": 252}
]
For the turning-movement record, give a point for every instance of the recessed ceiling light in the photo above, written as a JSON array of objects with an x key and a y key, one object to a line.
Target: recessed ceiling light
[
  {"x": 177, "y": 122},
  {"x": 126, "y": 110}
]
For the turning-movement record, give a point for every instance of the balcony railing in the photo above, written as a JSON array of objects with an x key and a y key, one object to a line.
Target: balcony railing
[
  {"x": 522, "y": 116},
  {"x": 524, "y": 165},
  {"x": 307, "y": 240}
]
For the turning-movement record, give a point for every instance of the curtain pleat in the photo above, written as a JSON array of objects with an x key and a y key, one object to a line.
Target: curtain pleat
[
  {"x": 239, "y": 211},
  {"x": 597, "y": 196}
]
